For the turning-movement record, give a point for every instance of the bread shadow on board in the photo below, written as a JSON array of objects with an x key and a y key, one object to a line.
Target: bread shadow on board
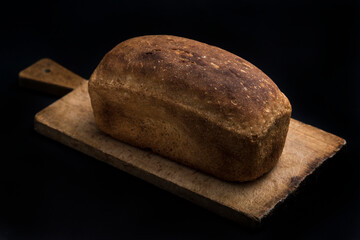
[{"x": 311, "y": 204}]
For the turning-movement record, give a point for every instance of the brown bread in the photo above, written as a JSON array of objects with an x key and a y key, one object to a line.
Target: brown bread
[{"x": 194, "y": 103}]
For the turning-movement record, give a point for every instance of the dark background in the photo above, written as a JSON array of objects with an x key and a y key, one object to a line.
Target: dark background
[{"x": 49, "y": 191}]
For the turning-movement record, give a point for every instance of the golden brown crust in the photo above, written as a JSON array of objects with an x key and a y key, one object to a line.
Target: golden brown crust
[{"x": 192, "y": 102}]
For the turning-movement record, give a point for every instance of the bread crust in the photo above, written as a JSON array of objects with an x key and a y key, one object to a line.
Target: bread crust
[{"x": 191, "y": 102}]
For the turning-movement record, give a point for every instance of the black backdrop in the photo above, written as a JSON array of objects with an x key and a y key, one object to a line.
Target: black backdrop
[{"x": 49, "y": 191}]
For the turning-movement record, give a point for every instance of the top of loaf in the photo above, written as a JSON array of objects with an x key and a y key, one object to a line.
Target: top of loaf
[{"x": 205, "y": 79}]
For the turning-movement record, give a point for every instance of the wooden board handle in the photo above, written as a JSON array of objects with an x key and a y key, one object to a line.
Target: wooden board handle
[{"x": 48, "y": 76}]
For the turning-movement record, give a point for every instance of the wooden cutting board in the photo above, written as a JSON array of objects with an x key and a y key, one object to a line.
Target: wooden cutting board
[{"x": 70, "y": 121}]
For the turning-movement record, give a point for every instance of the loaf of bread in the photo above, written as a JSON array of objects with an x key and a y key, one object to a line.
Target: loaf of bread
[{"x": 193, "y": 103}]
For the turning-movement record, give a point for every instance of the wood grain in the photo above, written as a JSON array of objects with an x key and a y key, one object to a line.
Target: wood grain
[{"x": 70, "y": 121}]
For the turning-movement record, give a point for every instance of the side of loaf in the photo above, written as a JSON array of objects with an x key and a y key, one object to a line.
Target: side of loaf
[{"x": 194, "y": 103}]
